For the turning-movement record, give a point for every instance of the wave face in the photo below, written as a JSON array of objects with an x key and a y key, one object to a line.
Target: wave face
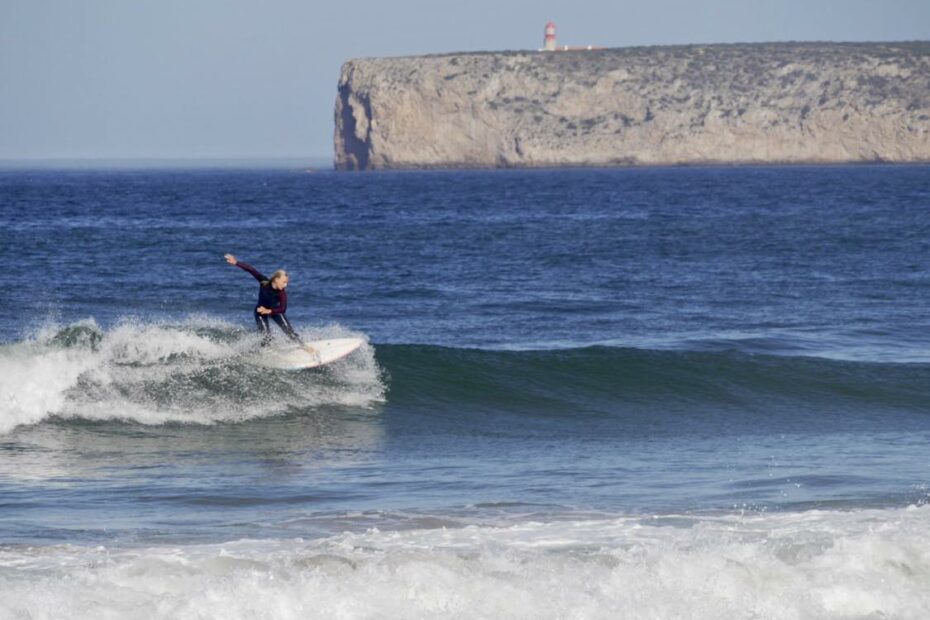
[
  {"x": 631, "y": 382},
  {"x": 200, "y": 371},
  {"x": 819, "y": 564}
]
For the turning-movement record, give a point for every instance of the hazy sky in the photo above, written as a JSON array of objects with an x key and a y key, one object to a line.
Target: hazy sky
[{"x": 257, "y": 78}]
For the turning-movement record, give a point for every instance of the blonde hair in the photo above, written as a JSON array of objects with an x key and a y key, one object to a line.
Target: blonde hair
[{"x": 277, "y": 274}]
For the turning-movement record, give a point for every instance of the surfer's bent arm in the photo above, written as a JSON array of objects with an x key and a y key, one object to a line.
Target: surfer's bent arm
[{"x": 281, "y": 308}]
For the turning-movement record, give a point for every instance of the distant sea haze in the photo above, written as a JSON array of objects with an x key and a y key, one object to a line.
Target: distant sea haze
[
  {"x": 170, "y": 163},
  {"x": 761, "y": 103},
  {"x": 620, "y": 392}
]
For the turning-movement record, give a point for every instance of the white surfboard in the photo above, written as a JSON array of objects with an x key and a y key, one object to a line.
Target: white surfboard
[{"x": 323, "y": 352}]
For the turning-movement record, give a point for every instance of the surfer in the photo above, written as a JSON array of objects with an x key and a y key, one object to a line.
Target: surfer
[{"x": 272, "y": 302}]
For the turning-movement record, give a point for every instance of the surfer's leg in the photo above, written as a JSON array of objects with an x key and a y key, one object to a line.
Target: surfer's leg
[
  {"x": 262, "y": 323},
  {"x": 285, "y": 326}
]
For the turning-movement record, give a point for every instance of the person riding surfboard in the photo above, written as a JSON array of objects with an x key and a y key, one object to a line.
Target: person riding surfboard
[{"x": 272, "y": 302}]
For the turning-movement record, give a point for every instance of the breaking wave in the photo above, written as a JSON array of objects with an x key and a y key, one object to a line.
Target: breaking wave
[{"x": 201, "y": 371}]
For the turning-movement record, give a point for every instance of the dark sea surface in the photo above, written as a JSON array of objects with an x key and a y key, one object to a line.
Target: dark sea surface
[{"x": 630, "y": 393}]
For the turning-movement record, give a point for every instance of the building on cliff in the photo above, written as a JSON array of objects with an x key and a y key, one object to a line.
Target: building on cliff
[
  {"x": 695, "y": 104},
  {"x": 549, "y": 37},
  {"x": 549, "y": 44}
]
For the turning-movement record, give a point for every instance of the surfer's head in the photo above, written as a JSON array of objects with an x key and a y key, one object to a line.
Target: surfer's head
[{"x": 279, "y": 280}]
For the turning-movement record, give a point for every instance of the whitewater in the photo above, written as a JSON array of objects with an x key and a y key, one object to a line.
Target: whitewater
[
  {"x": 791, "y": 566},
  {"x": 200, "y": 371}
]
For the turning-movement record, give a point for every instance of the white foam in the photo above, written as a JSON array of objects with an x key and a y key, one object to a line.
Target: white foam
[
  {"x": 33, "y": 384},
  {"x": 153, "y": 373},
  {"x": 860, "y": 564}
]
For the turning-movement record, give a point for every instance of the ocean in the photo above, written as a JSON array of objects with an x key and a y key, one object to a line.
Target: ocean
[{"x": 698, "y": 392}]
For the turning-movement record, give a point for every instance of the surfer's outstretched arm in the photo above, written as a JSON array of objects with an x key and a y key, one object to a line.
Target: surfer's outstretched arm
[{"x": 245, "y": 267}]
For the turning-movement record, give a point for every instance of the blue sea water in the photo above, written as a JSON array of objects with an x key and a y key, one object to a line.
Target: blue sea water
[{"x": 629, "y": 393}]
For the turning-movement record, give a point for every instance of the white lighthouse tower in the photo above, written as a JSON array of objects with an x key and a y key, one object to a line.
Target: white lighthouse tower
[{"x": 549, "y": 42}]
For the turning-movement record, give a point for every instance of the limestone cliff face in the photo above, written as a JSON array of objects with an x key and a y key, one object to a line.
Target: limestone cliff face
[{"x": 751, "y": 103}]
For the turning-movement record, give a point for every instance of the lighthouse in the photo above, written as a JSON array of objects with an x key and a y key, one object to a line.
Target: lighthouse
[{"x": 549, "y": 44}]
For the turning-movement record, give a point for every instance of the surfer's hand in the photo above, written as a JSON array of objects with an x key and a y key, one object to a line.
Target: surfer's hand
[
  {"x": 263, "y": 310},
  {"x": 230, "y": 259}
]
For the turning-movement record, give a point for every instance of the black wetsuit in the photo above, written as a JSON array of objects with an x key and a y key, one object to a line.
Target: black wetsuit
[{"x": 273, "y": 299}]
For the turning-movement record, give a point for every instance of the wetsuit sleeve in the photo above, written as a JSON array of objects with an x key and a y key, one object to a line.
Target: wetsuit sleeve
[
  {"x": 252, "y": 270},
  {"x": 282, "y": 306}
]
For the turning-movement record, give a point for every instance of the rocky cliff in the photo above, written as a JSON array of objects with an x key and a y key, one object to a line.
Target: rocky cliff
[{"x": 748, "y": 103}]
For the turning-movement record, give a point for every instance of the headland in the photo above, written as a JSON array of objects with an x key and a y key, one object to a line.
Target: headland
[{"x": 673, "y": 105}]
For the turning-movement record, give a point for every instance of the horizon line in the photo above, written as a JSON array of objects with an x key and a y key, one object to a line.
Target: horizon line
[{"x": 311, "y": 161}]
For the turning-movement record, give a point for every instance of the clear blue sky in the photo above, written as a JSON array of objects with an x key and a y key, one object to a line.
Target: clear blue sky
[{"x": 257, "y": 78}]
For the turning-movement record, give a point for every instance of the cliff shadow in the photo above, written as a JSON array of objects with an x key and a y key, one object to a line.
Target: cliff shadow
[{"x": 355, "y": 152}]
